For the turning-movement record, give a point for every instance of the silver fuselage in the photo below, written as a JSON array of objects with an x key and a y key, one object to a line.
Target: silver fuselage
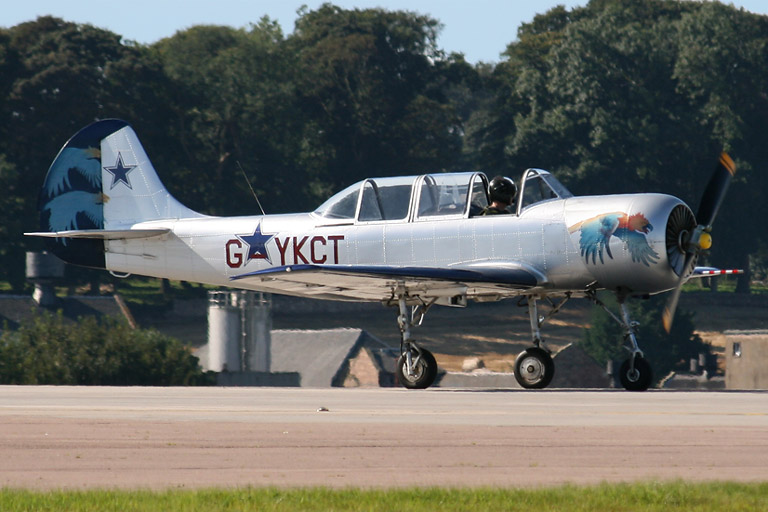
[{"x": 540, "y": 239}]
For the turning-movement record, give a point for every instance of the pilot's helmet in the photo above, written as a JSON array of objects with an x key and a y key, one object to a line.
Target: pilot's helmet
[{"x": 502, "y": 189}]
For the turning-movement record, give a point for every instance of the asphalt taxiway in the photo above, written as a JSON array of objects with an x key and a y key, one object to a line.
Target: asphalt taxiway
[{"x": 85, "y": 437}]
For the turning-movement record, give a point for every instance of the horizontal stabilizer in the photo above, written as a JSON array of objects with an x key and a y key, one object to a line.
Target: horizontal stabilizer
[
  {"x": 712, "y": 271},
  {"x": 103, "y": 234}
]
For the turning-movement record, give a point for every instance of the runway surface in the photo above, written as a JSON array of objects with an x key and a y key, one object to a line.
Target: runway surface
[{"x": 86, "y": 437}]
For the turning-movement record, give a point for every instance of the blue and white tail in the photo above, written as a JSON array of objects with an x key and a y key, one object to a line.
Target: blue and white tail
[{"x": 99, "y": 187}]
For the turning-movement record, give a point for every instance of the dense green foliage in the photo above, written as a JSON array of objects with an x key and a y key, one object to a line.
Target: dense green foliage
[
  {"x": 613, "y": 97},
  {"x": 642, "y": 497},
  {"x": 51, "y": 350}
]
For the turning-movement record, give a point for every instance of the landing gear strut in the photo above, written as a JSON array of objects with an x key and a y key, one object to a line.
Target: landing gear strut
[
  {"x": 416, "y": 367},
  {"x": 534, "y": 368},
  {"x": 635, "y": 373}
]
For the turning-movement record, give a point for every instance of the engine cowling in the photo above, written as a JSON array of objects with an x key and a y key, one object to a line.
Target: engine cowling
[{"x": 632, "y": 242}]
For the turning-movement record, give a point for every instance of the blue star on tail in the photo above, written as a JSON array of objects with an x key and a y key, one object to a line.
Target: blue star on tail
[
  {"x": 120, "y": 172},
  {"x": 257, "y": 244}
]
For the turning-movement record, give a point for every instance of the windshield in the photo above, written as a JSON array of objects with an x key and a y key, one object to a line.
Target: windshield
[{"x": 538, "y": 186}]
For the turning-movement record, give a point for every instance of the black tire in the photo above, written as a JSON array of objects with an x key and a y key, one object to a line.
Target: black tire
[
  {"x": 426, "y": 371},
  {"x": 640, "y": 379},
  {"x": 534, "y": 368}
]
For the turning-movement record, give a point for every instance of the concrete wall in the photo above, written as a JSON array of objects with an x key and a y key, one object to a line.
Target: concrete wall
[{"x": 746, "y": 359}]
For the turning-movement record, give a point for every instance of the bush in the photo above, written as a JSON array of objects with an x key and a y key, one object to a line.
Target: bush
[{"x": 50, "y": 350}]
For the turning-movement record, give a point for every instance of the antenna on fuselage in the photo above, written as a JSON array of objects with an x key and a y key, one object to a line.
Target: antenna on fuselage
[{"x": 250, "y": 187}]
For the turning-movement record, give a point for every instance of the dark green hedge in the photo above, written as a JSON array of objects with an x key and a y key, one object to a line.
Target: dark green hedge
[{"x": 50, "y": 350}]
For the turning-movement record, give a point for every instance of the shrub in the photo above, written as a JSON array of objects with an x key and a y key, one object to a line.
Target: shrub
[{"x": 50, "y": 350}]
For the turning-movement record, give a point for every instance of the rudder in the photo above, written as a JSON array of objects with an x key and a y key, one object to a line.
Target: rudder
[{"x": 101, "y": 180}]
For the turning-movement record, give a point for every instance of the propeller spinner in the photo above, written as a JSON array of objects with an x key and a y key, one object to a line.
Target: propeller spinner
[{"x": 699, "y": 239}]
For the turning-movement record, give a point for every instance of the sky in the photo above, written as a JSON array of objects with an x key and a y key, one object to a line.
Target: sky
[{"x": 480, "y": 29}]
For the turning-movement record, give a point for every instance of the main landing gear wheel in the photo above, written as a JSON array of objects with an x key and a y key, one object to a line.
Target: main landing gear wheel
[
  {"x": 424, "y": 370},
  {"x": 534, "y": 368},
  {"x": 637, "y": 378}
]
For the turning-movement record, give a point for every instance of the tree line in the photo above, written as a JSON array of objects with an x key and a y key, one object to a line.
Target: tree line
[{"x": 613, "y": 97}]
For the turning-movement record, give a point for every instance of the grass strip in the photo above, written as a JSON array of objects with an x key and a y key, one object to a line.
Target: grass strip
[{"x": 650, "y": 496}]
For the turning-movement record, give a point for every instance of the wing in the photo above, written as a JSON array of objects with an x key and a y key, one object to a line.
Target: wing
[
  {"x": 377, "y": 282},
  {"x": 638, "y": 247}
]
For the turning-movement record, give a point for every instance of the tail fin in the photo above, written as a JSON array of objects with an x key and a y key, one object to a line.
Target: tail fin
[{"x": 98, "y": 187}]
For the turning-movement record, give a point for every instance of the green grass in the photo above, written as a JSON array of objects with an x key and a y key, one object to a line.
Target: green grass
[
  {"x": 725, "y": 284},
  {"x": 667, "y": 497},
  {"x": 145, "y": 297},
  {"x": 147, "y": 289}
]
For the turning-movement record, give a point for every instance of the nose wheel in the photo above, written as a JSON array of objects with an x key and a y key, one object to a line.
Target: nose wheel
[{"x": 635, "y": 374}]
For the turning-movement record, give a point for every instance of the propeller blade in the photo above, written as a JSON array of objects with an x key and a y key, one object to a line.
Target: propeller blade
[
  {"x": 710, "y": 204},
  {"x": 715, "y": 191},
  {"x": 669, "y": 308}
]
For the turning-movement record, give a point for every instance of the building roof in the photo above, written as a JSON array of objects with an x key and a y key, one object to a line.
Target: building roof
[
  {"x": 319, "y": 356},
  {"x": 14, "y": 309}
]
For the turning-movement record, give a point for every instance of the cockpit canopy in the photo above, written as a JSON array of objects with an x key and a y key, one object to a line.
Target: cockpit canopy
[{"x": 431, "y": 197}]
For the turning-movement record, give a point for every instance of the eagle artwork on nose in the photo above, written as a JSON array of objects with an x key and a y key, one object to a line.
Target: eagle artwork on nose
[{"x": 596, "y": 236}]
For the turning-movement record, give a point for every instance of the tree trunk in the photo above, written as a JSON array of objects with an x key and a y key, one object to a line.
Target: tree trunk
[
  {"x": 743, "y": 280},
  {"x": 165, "y": 287}
]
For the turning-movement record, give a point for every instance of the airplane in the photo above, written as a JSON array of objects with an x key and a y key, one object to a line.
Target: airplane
[{"x": 409, "y": 242}]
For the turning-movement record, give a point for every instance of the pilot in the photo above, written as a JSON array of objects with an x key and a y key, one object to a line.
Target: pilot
[{"x": 502, "y": 192}]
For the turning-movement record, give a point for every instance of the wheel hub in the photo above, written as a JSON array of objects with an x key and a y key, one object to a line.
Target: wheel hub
[
  {"x": 416, "y": 371},
  {"x": 533, "y": 369}
]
